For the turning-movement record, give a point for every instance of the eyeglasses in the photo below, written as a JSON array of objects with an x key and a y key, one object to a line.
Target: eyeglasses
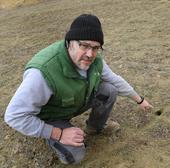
[{"x": 85, "y": 47}]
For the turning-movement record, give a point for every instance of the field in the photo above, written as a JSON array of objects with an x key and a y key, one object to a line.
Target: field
[{"x": 137, "y": 46}]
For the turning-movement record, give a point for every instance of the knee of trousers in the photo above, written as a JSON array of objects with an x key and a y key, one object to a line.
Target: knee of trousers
[
  {"x": 64, "y": 151},
  {"x": 113, "y": 93},
  {"x": 78, "y": 153},
  {"x": 108, "y": 90}
]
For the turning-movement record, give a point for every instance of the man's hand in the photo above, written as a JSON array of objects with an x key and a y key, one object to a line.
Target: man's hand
[
  {"x": 72, "y": 136},
  {"x": 69, "y": 136},
  {"x": 145, "y": 105}
]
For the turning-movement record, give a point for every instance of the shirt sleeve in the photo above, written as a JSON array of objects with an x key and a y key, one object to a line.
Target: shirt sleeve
[
  {"x": 123, "y": 87},
  {"x": 26, "y": 103}
]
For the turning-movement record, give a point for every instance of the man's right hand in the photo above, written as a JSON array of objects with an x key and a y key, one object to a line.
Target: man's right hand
[{"x": 70, "y": 136}]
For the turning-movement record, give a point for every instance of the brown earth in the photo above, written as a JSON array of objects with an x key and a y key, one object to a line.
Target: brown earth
[
  {"x": 137, "y": 46},
  {"x": 9, "y": 4}
]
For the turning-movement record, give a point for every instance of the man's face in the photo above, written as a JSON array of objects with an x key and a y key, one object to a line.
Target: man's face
[{"x": 83, "y": 52}]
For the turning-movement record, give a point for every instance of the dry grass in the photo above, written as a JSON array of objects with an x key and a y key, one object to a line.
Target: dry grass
[{"x": 9, "y": 4}]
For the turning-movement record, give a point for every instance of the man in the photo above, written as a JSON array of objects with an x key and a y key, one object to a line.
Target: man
[{"x": 61, "y": 82}]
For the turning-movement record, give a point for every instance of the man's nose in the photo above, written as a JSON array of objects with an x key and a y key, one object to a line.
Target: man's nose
[{"x": 89, "y": 52}]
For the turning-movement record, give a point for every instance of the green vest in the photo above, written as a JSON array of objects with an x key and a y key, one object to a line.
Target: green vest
[{"x": 71, "y": 90}]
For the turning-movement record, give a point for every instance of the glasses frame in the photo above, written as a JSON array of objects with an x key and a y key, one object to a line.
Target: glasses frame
[{"x": 85, "y": 47}]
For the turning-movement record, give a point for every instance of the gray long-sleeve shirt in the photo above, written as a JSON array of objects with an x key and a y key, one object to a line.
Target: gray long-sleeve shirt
[{"x": 28, "y": 100}]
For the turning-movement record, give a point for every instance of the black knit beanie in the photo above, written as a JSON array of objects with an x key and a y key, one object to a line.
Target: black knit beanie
[{"x": 85, "y": 27}]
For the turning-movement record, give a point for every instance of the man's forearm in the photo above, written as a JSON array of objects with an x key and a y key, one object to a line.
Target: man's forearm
[{"x": 26, "y": 104}]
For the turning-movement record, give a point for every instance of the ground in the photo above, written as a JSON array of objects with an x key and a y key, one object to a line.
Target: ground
[{"x": 137, "y": 46}]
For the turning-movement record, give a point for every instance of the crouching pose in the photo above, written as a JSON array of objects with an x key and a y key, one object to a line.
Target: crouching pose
[{"x": 61, "y": 82}]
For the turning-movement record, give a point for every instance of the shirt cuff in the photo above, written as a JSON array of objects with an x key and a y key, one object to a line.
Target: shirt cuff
[
  {"x": 47, "y": 130},
  {"x": 132, "y": 93}
]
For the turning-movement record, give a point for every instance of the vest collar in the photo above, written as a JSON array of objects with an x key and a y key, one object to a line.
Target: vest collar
[{"x": 69, "y": 69}]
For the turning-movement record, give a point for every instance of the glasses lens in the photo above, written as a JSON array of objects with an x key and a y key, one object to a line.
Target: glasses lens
[{"x": 85, "y": 47}]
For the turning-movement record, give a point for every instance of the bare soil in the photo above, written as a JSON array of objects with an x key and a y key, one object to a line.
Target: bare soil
[{"x": 137, "y": 46}]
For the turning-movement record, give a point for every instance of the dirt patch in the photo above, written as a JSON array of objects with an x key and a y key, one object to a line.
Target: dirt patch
[
  {"x": 8, "y": 4},
  {"x": 137, "y": 46}
]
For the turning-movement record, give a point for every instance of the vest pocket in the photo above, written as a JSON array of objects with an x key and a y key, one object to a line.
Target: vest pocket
[{"x": 67, "y": 101}]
